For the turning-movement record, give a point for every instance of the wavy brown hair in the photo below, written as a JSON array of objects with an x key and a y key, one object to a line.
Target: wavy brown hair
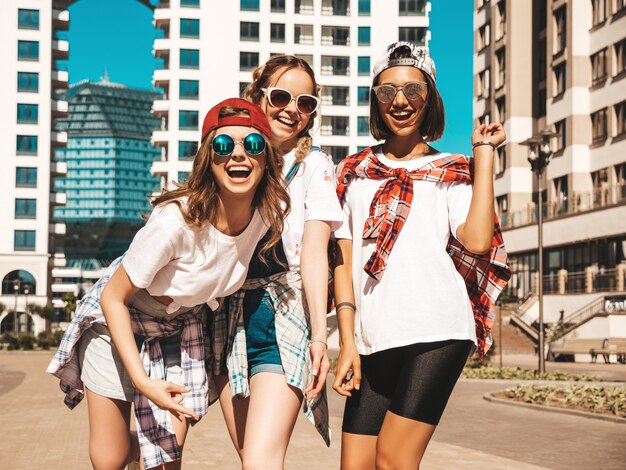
[
  {"x": 268, "y": 74},
  {"x": 200, "y": 189}
]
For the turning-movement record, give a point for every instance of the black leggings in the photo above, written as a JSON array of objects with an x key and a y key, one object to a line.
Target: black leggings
[{"x": 412, "y": 381}]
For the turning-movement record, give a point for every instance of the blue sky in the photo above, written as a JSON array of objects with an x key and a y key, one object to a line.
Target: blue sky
[{"x": 119, "y": 38}]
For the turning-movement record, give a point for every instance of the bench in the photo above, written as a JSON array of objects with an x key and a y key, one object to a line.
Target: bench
[
  {"x": 615, "y": 346},
  {"x": 593, "y": 346}
]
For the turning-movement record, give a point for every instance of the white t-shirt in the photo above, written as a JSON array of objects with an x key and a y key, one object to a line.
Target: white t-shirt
[
  {"x": 313, "y": 197},
  {"x": 191, "y": 265},
  {"x": 421, "y": 297}
]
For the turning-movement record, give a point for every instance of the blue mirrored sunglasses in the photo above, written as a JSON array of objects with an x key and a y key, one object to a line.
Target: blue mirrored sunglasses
[{"x": 224, "y": 145}]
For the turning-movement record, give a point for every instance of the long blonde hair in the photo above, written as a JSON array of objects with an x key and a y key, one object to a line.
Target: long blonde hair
[
  {"x": 200, "y": 189},
  {"x": 262, "y": 78}
]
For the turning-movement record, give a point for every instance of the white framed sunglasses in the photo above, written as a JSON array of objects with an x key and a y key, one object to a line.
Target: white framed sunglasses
[
  {"x": 412, "y": 90},
  {"x": 280, "y": 98}
]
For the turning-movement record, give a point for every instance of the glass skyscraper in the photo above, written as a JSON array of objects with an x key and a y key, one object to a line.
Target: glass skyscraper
[{"x": 108, "y": 157}]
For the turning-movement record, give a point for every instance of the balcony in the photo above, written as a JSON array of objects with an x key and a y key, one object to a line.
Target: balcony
[
  {"x": 304, "y": 7},
  {"x": 58, "y": 260},
  {"x": 161, "y": 78},
  {"x": 60, "y": 20},
  {"x": 160, "y": 138},
  {"x": 161, "y": 109},
  {"x": 57, "y": 228},
  {"x": 162, "y": 25},
  {"x": 335, "y": 126},
  {"x": 60, "y": 49},
  {"x": 336, "y": 66},
  {"x": 60, "y": 79},
  {"x": 58, "y": 168},
  {"x": 58, "y": 199},
  {"x": 59, "y": 108},
  {"x": 336, "y": 96},
  {"x": 159, "y": 168},
  {"x": 163, "y": 55},
  {"x": 336, "y": 8},
  {"x": 335, "y": 36},
  {"x": 58, "y": 138},
  {"x": 303, "y": 34}
]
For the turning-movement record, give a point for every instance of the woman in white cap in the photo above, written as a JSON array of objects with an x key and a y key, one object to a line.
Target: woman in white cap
[
  {"x": 195, "y": 247},
  {"x": 420, "y": 263}
]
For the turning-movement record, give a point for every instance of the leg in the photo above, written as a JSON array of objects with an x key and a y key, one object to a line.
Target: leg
[
  {"x": 272, "y": 414},
  {"x": 365, "y": 410},
  {"x": 235, "y": 412},
  {"x": 428, "y": 376},
  {"x": 109, "y": 436}
]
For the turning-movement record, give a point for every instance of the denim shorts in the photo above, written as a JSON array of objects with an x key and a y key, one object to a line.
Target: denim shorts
[
  {"x": 260, "y": 326},
  {"x": 102, "y": 370}
]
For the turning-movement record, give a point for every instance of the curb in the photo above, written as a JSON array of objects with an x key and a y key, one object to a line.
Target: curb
[{"x": 585, "y": 414}]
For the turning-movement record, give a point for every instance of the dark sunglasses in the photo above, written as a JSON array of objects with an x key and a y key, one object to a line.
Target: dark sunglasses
[
  {"x": 387, "y": 92},
  {"x": 280, "y": 98},
  {"x": 224, "y": 145}
]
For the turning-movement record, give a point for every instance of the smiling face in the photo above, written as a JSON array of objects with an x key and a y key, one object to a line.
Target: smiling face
[
  {"x": 287, "y": 123},
  {"x": 239, "y": 173},
  {"x": 402, "y": 116}
]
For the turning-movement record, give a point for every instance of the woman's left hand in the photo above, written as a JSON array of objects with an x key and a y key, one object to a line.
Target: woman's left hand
[
  {"x": 319, "y": 369},
  {"x": 493, "y": 133}
]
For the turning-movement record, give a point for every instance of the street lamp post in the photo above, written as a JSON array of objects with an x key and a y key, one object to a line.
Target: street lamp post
[
  {"x": 26, "y": 290},
  {"x": 16, "y": 291},
  {"x": 539, "y": 153}
]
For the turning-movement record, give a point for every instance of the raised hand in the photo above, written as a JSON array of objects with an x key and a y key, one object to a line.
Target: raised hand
[{"x": 493, "y": 133}]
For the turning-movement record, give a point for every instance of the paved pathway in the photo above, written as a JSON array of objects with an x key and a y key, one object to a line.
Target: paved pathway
[{"x": 39, "y": 432}]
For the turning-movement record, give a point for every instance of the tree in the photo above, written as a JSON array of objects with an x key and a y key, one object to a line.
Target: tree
[{"x": 70, "y": 304}]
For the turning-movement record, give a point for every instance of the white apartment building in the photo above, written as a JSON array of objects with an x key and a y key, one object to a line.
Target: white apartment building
[
  {"x": 208, "y": 50},
  {"x": 31, "y": 80},
  {"x": 561, "y": 65}
]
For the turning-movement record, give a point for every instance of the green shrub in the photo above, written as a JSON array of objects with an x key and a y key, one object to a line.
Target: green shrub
[
  {"x": 27, "y": 341},
  {"x": 516, "y": 373},
  {"x": 12, "y": 340}
]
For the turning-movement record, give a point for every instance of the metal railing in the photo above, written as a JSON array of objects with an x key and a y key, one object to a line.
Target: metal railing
[{"x": 579, "y": 202}]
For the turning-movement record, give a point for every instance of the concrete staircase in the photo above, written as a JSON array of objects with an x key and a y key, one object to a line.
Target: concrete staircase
[{"x": 514, "y": 341}]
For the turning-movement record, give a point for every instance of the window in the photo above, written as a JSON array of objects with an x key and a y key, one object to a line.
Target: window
[
  {"x": 620, "y": 57},
  {"x": 303, "y": 7},
  {"x": 303, "y": 34},
  {"x": 336, "y": 7},
  {"x": 336, "y": 152},
  {"x": 188, "y": 120},
  {"x": 598, "y": 67},
  {"x": 501, "y": 109},
  {"x": 188, "y": 89},
  {"x": 28, "y": 82},
  {"x": 26, "y": 145},
  {"x": 189, "y": 58},
  {"x": 190, "y": 3},
  {"x": 364, "y": 65},
  {"x": 363, "y": 93},
  {"x": 278, "y": 6},
  {"x": 27, "y": 50},
  {"x": 242, "y": 88},
  {"x": 500, "y": 67},
  {"x": 335, "y": 36},
  {"x": 25, "y": 208},
  {"x": 27, "y": 113},
  {"x": 248, "y": 31},
  {"x": 502, "y": 203},
  {"x": 483, "y": 84},
  {"x": 336, "y": 95},
  {"x": 248, "y": 61},
  {"x": 620, "y": 119},
  {"x": 413, "y": 34},
  {"x": 189, "y": 28},
  {"x": 598, "y": 126},
  {"x": 27, "y": 19},
  {"x": 364, "y": 36},
  {"x": 277, "y": 32},
  {"x": 559, "y": 79},
  {"x": 542, "y": 54},
  {"x": 25, "y": 177},
  {"x": 500, "y": 19},
  {"x": 187, "y": 149},
  {"x": 182, "y": 175},
  {"x": 542, "y": 102},
  {"x": 561, "y": 189},
  {"x": 412, "y": 7},
  {"x": 364, "y": 8},
  {"x": 335, "y": 125},
  {"x": 560, "y": 29},
  {"x": 500, "y": 163},
  {"x": 362, "y": 127},
  {"x": 335, "y": 65},
  {"x": 484, "y": 38},
  {"x": 598, "y": 12},
  {"x": 561, "y": 139},
  {"x": 249, "y": 5},
  {"x": 24, "y": 240}
]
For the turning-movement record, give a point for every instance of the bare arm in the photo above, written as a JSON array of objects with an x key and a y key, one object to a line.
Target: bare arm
[
  {"x": 314, "y": 268},
  {"x": 477, "y": 231},
  {"x": 118, "y": 291},
  {"x": 349, "y": 359}
]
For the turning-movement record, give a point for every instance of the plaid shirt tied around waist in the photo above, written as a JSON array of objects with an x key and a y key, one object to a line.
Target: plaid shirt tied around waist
[
  {"x": 292, "y": 337},
  {"x": 485, "y": 275},
  {"x": 156, "y": 435}
]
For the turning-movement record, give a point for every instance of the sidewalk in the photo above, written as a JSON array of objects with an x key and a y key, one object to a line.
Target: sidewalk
[{"x": 38, "y": 431}]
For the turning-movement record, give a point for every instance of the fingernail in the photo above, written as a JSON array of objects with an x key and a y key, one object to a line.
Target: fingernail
[
  {"x": 314, "y": 372},
  {"x": 357, "y": 386}
]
